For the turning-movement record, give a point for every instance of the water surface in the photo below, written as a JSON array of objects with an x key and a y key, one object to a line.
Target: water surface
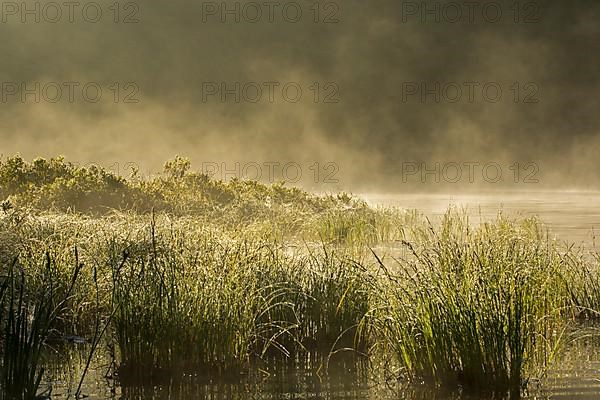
[{"x": 571, "y": 216}]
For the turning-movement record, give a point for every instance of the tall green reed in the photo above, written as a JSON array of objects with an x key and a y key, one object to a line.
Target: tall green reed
[
  {"x": 475, "y": 307},
  {"x": 27, "y": 317}
]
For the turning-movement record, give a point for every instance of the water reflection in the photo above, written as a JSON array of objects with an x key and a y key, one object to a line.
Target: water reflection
[
  {"x": 574, "y": 375},
  {"x": 347, "y": 377}
]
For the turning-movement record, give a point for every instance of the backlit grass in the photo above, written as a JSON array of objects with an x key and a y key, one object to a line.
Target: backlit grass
[
  {"x": 192, "y": 275},
  {"x": 477, "y": 307}
]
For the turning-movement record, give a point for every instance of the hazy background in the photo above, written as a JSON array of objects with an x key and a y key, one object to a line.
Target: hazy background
[{"x": 370, "y": 134}]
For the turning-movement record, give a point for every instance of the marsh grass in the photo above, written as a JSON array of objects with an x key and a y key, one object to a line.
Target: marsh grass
[
  {"x": 27, "y": 319},
  {"x": 188, "y": 275},
  {"x": 479, "y": 308},
  {"x": 189, "y": 303},
  {"x": 178, "y": 314},
  {"x": 482, "y": 308},
  {"x": 583, "y": 281},
  {"x": 358, "y": 226}
]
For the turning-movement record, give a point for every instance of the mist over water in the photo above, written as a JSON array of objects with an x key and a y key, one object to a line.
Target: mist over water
[
  {"x": 387, "y": 87},
  {"x": 572, "y": 217},
  {"x": 184, "y": 286}
]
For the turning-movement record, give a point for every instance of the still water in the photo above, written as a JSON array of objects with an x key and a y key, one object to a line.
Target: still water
[
  {"x": 576, "y": 375},
  {"x": 571, "y": 216}
]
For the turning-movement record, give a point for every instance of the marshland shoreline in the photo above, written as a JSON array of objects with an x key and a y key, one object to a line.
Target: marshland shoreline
[{"x": 185, "y": 275}]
